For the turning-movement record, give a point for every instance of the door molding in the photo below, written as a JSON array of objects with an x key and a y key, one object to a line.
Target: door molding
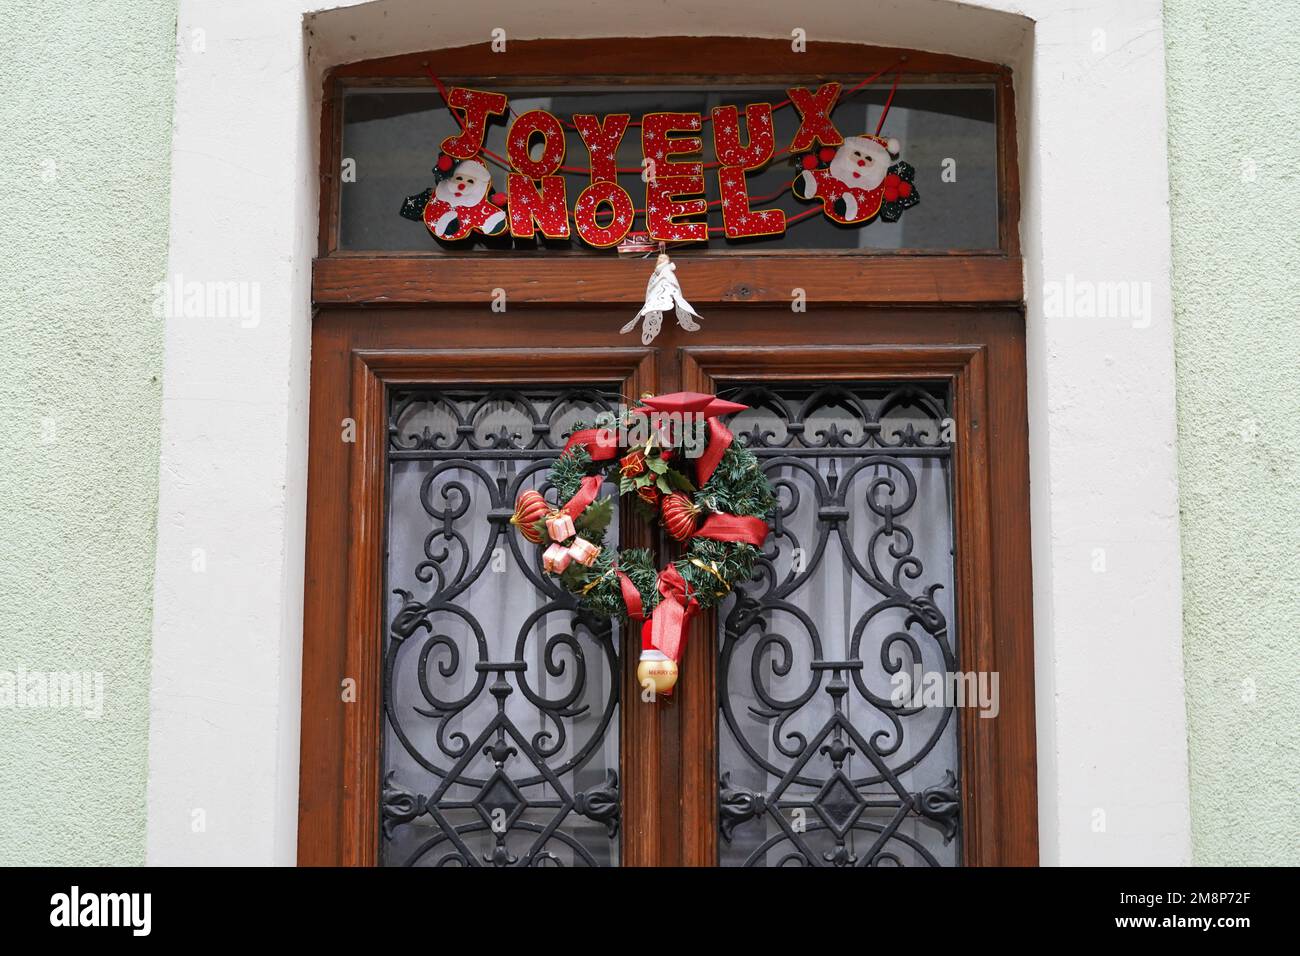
[
  {"x": 358, "y": 354},
  {"x": 998, "y": 778},
  {"x": 338, "y": 819}
]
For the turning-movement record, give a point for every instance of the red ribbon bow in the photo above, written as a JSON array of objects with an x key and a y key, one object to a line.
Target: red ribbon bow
[
  {"x": 692, "y": 403},
  {"x": 600, "y": 443},
  {"x": 667, "y": 626},
  {"x": 725, "y": 527}
]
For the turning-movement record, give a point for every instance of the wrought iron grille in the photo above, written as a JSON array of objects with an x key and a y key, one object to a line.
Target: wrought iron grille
[
  {"x": 819, "y": 764},
  {"x": 500, "y": 741}
]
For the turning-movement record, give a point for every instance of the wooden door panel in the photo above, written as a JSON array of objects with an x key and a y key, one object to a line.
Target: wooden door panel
[
  {"x": 990, "y": 768},
  {"x": 341, "y": 803},
  {"x": 668, "y": 752}
]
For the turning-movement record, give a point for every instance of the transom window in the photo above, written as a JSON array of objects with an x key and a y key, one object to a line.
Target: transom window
[{"x": 948, "y": 133}]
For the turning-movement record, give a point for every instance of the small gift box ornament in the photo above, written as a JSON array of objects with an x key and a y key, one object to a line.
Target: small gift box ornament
[
  {"x": 556, "y": 558},
  {"x": 560, "y": 526},
  {"x": 584, "y": 552}
]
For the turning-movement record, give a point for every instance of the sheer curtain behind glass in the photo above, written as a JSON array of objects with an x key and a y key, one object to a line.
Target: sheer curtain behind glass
[
  {"x": 501, "y": 730},
  {"x": 818, "y": 765}
]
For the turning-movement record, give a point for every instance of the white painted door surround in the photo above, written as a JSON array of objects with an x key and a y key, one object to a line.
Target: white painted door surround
[{"x": 1090, "y": 86}]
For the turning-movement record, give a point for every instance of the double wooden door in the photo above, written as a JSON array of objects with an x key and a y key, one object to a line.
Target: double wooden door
[{"x": 458, "y": 709}]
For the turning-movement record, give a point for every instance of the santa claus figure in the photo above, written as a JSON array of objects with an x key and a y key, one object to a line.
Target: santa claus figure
[
  {"x": 854, "y": 180},
  {"x": 460, "y": 202}
]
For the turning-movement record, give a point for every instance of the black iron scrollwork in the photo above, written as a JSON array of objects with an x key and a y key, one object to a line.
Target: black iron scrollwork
[
  {"x": 457, "y": 695},
  {"x": 832, "y": 453},
  {"x": 942, "y": 804},
  {"x": 495, "y": 732},
  {"x": 737, "y": 805},
  {"x": 601, "y": 803}
]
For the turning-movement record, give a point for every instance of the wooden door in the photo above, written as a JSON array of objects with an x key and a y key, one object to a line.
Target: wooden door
[{"x": 675, "y": 794}]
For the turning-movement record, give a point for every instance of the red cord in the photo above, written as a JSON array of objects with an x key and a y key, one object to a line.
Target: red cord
[
  {"x": 885, "y": 112},
  {"x": 442, "y": 91}
]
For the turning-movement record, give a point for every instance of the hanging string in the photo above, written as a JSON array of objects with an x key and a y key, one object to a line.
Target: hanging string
[
  {"x": 775, "y": 106},
  {"x": 890, "y": 99}
]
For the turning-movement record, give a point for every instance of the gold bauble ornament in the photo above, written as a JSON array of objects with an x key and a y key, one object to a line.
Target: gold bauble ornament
[{"x": 662, "y": 672}]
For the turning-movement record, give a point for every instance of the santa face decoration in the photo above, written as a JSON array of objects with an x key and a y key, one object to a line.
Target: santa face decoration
[
  {"x": 858, "y": 180},
  {"x": 466, "y": 186},
  {"x": 862, "y": 163},
  {"x": 459, "y": 202}
]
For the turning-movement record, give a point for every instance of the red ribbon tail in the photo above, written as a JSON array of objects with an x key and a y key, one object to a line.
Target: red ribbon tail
[
  {"x": 668, "y": 632},
  {"x": 600, "y": 443},
  {"x": 725, "y": 527},
  {"x": 631, "y": 597},
  {"x": 587, "y": 493},
  {"x": 718, "y": 441},
  {"x": 671, "y": 616}
]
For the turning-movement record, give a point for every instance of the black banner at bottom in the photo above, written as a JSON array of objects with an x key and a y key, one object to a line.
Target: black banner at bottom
[{"x": 383, "y": 907}]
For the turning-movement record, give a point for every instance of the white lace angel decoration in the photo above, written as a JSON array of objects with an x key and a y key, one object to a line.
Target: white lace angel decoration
[{"x": 663, "y": 292}]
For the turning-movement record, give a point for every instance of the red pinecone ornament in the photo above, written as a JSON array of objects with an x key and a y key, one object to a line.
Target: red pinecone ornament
[
  {"x": 680, "y": 515},
  {"x": 530, "y": 508}
]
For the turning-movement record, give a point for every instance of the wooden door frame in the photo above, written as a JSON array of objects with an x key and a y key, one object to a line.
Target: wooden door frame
[
  {"x": 989, "y": 835},
  {"x": 339, "y": 791},
  {"x": 358, "y": 354},
  {"x": 383, "y": 315},
  {"x": 717, "y": 273}
]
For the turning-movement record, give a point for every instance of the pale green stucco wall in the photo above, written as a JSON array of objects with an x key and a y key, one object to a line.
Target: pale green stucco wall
[
  {"x": 1234, "y": 113},
  {"x": 85, "y": 145}
]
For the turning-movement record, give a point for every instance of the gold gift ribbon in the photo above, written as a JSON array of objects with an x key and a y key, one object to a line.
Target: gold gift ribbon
[
  {"x": 594, "y": 581},
  {"x": 712, "y": 568}
]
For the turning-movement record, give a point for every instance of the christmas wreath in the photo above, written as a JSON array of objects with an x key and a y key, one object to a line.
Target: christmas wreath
[{"x": 681, "y": 465}]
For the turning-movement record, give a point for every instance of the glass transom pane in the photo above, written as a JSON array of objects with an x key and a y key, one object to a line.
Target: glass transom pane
[{"x": 948, "y": 132}]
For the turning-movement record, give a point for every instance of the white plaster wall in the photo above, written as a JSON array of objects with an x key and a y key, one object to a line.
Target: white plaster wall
[
  {"x": 224, "y": 727},
  {"x": 223, "y": 748}
]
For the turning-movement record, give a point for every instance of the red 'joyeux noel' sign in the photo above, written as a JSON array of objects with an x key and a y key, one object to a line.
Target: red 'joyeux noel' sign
[{"x": 856, "y": 178}]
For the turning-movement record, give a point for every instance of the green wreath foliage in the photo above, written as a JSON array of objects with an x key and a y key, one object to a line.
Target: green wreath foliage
[{"x": 709, "y": 568}]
